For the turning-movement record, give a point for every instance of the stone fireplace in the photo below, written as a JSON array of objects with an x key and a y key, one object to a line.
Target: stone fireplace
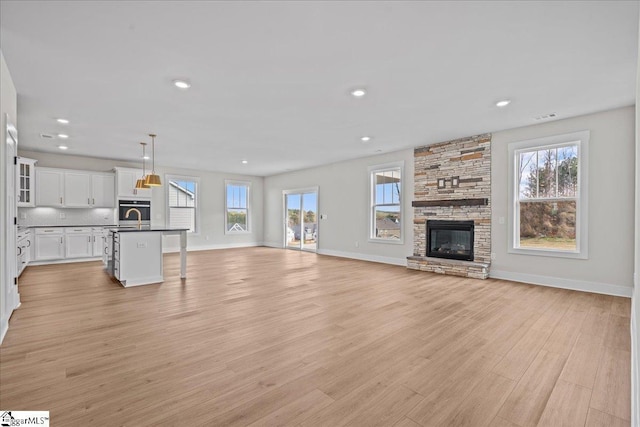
[{"x": 452, "y": 208}]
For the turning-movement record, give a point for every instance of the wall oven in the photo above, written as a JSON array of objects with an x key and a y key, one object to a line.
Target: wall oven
[{"x": 144, "y": 206}]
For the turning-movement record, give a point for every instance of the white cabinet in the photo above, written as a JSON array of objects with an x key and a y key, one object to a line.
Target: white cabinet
[
  {"x": 137, "y": 257},
  {"x": 49, "y": 244},
  {"x": 103, "y": 190},
  {"x": 25, "y": 179},
  {"x": 78, "y": 242},
  {"x": 50, "y": 187},
  {"x": 24, "y": 249},
  {"x": 97, "y": 241},
  {"x": 77, "y": 189},
  {"x": 126, "y": 184}
]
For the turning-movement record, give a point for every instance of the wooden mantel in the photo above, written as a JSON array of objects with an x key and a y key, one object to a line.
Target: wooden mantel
[{"x": 450, "y": 202}]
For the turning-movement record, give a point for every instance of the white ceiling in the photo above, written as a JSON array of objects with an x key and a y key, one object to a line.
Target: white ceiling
[{"x": 271, "y": 80}]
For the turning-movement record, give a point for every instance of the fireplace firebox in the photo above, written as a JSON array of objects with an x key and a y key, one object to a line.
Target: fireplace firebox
[{"x": 450, "y": 239}]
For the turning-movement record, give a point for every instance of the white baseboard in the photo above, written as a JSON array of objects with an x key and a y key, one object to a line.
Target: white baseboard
[
  {"x": 277, "y": 245},
  {"x": 635, "y": 363},
  {"x": 174, "y": 249},
  {"x": 364, "y": 257},
  {"x": 557, "y": 282},
  {"x": 63, "y": 261}
]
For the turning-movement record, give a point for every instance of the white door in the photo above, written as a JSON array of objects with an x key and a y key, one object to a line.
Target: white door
[
  {"x": 102, "y": 191},
  {"x": 49, "y": 246},
  {"x": 10, "y": 297},
  {"x": 78, "y": 245},
  {"x": 97, "y": 240},
  {"x": 49, "y": 187},
  {"x": 77, "y": 189}
]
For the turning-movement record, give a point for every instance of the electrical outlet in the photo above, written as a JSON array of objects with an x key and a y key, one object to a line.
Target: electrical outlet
[
  {"x": 206, "y": 237},
  {"x": 142, "y": 244},
  {"x": 63, "y": 215},
  {"x": 23, "y": 215},
  {"x": 357, "y": 244},
  {"x": 501, "y": 220},
  {"x": 493, "y": 256}
]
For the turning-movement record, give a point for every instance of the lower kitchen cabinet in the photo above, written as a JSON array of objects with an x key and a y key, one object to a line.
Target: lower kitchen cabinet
[
  {"x": 79, "y": 242},
  {"x": 59, "y": 243},
  {"x": 49, "y": 244},
  {"x": 97, "y": 241}
]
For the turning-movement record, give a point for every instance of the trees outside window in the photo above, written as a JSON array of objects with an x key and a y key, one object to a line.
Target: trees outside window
[{"x": 549, "y": 197}]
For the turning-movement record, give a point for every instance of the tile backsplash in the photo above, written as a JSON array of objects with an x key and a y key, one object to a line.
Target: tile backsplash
[{"x": 60, "y": 216}]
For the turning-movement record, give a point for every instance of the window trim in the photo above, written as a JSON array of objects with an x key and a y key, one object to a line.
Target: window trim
[
  {"x": 227, "y": 183},
  {"x": 196, "y": 179},
  {"x": 580, "y": 138},
  {"x": 372, "y": 170}
]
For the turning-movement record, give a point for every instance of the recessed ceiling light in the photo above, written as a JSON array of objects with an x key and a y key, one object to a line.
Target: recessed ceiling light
[
  {"x": 63, "y": 121},
  {"x": 358, "y": 93},
  {"x": 63, "y": 147},
  {"x": 244, "y": 162},
  {"x": 146, "y": 157},
  {"x": 181, "y": 84},
  {"x": 365, "y": 139},
  {"x": 63, "y": 136},
  {"x": 503, "y": 103}
]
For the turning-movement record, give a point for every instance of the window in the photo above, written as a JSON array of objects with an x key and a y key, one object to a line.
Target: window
[
  {"x": 549, "y": 196},
  {"x": 182, "y": 201},
  {"x": 237, "y": 203},
  {"x": 386, "y": 198}
]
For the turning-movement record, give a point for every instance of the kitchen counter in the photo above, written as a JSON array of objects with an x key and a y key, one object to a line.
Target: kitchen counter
[
  {"x": 134, "y": 256},
  {"x": 148, "y": 229},
  {"x": 69, "y": 225}
]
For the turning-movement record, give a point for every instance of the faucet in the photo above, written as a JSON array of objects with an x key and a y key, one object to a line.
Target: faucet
[{"x": 126, "y": 215}]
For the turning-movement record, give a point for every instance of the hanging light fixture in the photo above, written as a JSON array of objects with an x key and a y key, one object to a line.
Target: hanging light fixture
[
  {"x": 140, "y": 183},
  {"x": 153, "y": 180}
]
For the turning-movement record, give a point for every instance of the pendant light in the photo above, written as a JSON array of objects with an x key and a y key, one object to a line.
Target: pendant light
[
  {"x": 140, "y": 183},
  {"x": 153, "y": 180}
]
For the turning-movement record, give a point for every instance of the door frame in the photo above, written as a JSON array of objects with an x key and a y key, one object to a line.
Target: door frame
[
  {"x": 10, "y": 294},
  {"x": 301, "y": 191}
]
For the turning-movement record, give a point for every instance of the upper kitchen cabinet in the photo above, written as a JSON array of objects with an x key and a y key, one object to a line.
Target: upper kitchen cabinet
[
  {"x": 49, "y": 187},
  {"x": 74, "y": 189},
  {"x": 77, "y": 189},
  {"x": 103, "y": 190},
  {"x": 126, "y": 184},
  {"x": 25, "y": 171}
]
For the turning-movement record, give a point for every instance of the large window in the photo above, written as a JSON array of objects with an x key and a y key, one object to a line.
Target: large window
[
  {"x": 182, "y": 201},
  {"x": 386, "y": 203},
  {"x": 549, "y": 206},
  {"x": 237, "y": 207}
]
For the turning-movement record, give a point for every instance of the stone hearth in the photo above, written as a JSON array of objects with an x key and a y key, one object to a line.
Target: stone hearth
[{"x": 453, "y": 182}]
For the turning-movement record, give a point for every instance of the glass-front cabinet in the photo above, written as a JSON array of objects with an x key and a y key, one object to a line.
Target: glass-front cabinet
[{"x": 25, "y": 170}]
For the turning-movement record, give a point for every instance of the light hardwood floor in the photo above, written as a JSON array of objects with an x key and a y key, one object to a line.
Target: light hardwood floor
[{"x": 267, "y": 337}]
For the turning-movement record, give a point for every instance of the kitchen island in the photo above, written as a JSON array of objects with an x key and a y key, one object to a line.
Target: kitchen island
[{"x": 134, "y": 256}]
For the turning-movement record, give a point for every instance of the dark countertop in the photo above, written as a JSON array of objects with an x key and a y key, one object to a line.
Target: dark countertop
[
  {"x": 68, "y": 226},
  {"x": 160, "y": 229}
]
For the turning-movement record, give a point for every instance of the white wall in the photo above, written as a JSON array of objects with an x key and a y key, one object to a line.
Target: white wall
[
  {"x": 609, "y": 268},
  {"x": 344, "y": 198},
  {"x": 212, "y": 196},
  {"x": 635, "y": 304},
  {"x": 8, "y": 105}
]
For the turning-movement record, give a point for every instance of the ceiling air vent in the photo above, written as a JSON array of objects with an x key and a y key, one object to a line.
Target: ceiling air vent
[
  {"x": 546, "y": 116},
  {"x": 46, "y": 136}
]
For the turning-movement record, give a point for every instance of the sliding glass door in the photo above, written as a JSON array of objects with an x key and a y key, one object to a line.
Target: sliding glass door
[{"x": 301, "y": 219}]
